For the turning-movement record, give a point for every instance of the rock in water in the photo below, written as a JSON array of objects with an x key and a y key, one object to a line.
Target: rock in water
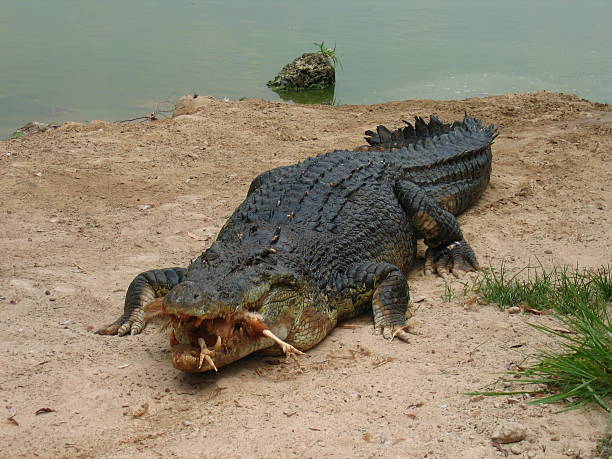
[{"x": 309, "y": 71}]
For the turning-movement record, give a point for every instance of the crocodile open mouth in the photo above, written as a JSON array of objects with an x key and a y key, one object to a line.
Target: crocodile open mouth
[{"x": 201, "y": 344}]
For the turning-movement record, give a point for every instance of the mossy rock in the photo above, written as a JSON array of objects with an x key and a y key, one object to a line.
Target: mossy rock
[
  {"x": 309, "y": 71},
  {"x": 33, "y": 127}
]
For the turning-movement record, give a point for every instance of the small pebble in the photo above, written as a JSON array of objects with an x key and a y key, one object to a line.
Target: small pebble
[
  {"x": 509, "y": 432},
  {"x": 513, "y": 310},
  {"x": 548, "y": 251}
]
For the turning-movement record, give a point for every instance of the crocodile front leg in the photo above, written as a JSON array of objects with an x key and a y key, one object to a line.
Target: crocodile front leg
[
  {"x": 389, "y": 298},
  {"x": 144, "y": 288},
  {"x": 448, "y": 251}
]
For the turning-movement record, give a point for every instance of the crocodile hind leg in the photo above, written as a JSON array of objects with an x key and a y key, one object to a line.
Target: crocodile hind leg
[
  {"x": 448, "y": 251},
  {"x": 143, "y": 290},
  {"x": 389, "y": 299}
]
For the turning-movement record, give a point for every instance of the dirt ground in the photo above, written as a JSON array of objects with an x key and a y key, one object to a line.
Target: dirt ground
[{"x": 87, "y": 207}]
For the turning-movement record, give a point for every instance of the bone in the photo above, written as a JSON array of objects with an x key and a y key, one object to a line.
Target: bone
[
  {"x": 209, "y": 360},
  {"x": 287, "y": 348},
  {"x": 205, "y": 354}
]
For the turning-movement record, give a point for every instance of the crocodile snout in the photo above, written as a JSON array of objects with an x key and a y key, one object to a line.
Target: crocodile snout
[{"x": 185, "y": 296}]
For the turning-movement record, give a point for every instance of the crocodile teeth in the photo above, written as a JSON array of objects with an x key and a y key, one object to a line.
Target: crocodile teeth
[
  {"x": 205, "y": 354},
  {"x": 218, "y": 344},
  {"x": 198, "y": 322}
]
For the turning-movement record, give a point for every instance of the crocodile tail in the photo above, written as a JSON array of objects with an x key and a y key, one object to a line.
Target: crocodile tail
[{"x": 384, "y": 139}]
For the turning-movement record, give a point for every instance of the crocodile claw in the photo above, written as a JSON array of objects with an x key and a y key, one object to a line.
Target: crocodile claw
[
  {"x": 122, "y": 327},
  {"x": 389, "y": 333},
  {"x": 136, "y": 321},
  {"x": 454, "y": 258},
  {"x": 402, "y": 333}
]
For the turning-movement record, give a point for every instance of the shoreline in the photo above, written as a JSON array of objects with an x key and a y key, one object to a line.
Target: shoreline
[{"x": 155, "y": 115}]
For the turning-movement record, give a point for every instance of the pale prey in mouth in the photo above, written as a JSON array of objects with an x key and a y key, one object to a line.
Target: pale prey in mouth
[{"x": 202, "y": 344}]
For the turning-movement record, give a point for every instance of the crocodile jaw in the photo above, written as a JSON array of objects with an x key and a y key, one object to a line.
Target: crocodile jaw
[{"x": 201, "y": 344}]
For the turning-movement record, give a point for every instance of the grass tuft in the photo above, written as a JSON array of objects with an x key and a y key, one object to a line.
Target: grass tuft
[
  {"x": 559, "y": 289},
  {"x": 330, "y": 53},
  {"x": 577, "y": 370},
  {"x": 604, "y": 447},
  {"x": 448, "y": 295}
]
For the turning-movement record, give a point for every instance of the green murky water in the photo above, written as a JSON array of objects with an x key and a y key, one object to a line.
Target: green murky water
[{"x": 118, "y": 59}]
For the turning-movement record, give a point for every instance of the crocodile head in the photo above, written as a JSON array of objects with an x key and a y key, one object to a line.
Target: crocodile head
[{"x": 218, "y": 314}]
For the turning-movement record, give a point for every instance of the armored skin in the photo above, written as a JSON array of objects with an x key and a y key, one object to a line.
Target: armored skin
[{"x": 321, "y": 241}]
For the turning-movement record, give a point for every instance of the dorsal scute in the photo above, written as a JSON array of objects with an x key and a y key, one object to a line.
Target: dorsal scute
[{"x": 385, "y": 139}]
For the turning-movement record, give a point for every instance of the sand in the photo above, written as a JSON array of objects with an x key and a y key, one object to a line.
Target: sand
[{"x": 85, "y": 208}]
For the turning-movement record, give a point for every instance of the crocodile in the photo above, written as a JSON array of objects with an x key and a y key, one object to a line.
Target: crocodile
[{"x": 321, "y": 241}]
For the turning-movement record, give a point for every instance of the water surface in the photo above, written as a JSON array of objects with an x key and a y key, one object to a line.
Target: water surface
[{"x": 113, "y": 60}]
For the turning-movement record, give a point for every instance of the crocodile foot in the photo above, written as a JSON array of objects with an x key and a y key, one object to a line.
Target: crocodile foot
[
  {"x": 287, "y": 348},
  {"x": 454, "y": 258},
  {"x": 389, "y": 333},
  {"x": 132, "y": 325},
  {"x": 136, "y": 321}
]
